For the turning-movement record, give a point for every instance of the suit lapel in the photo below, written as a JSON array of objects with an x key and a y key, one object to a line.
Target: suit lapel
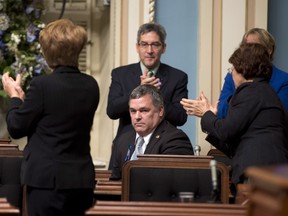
[
  {"x": 130, "y": 146},
  {"x": 135, "y": 74},
  {"x": 161, "y": 73},
  {"x": 155, "y": 138}
]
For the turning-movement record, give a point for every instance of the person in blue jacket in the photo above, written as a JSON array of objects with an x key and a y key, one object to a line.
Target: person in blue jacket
[{"x": 278, "y": 80}]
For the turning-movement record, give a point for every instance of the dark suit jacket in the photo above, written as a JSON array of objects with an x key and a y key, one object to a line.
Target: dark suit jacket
[
  {"x": 126, "y": 78},
  {"x": 254, "y": 131},
  {"x": 166, "y": 139},
  {"x": 57, "y": 116}
]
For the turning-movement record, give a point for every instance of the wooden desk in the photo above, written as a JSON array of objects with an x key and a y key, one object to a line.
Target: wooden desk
[
  {"x": 5, "y": 140},
  {"x": 165, "y": 208},
  {"x": 106, "y": 189},
  {"x": 242, "y": 196},
  {"x": 8, "y": 146},
  {"x": 269, "y": 191},
  {"x": 8, "y": 210},
  {"x": 102, "y": 175},
  {"x": 160, "y": 157},
  {"x": 10, "y": 150}
]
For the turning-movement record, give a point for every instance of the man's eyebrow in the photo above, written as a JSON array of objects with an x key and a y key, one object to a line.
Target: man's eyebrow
[{"x": 141, "y": 108}]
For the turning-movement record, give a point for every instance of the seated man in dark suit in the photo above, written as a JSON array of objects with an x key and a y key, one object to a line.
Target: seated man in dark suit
[
  {"x": 157, "y": 135},
  {"x": 171, "y": 82}
]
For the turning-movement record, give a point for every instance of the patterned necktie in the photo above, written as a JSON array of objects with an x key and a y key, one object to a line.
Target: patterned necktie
[
  {"x": 138, "y": 148},
  {"x": 150, "y": 73}
]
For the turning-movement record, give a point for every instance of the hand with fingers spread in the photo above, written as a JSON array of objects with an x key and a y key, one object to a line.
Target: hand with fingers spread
[{"x": 198, "y": 106}]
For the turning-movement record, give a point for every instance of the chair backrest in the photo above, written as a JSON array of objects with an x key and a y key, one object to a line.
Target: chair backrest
[
  {"x": 220, "y": 157},
  {"x": 10, "y": 186},
  {"x": 10, "y": 165},
  {"x": 162, "y": 177}
]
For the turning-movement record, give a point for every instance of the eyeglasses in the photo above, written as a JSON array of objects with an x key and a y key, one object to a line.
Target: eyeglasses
[
  {"x": 230, "y": 70},
  {"x": 154, "y": 45}
]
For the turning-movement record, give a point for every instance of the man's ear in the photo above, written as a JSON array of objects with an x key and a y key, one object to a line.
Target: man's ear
[
  {"x": 137, "y": 47},
  {"x": 164, "y": 48},
  {"x": 161, "y": 111}
]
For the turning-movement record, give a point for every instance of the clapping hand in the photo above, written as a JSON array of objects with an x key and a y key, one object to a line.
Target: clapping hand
[
  {"x": 145, "y": 79},
  {"x": 198, "y": 106},
  {"x": 13, "y": 87}
]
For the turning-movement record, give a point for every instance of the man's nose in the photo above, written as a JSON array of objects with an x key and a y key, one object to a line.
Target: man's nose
[
  {"x": 150, "y": 49},
  {"x": 138, "y": 115}
]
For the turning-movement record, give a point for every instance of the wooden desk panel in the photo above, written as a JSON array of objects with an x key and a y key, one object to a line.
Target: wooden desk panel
[
  {"x": 8, "y": 210},
  {"x": 269, "y": 191},
  {"x": 5, "y": 140},
  {"x": 108, "y": 187},
  {"x": 10, "y": 150},
  {"x": 102, "y": 175},
  {"x": 165, "y": 208}
]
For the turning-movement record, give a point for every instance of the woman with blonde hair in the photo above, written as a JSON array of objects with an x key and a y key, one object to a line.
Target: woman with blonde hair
[{"x": 56, "y": 115}]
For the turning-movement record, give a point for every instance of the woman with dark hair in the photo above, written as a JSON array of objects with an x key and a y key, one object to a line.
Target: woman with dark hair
[
  {"x": 278, "y": 80},
  {"x": 254, "y": 132}
]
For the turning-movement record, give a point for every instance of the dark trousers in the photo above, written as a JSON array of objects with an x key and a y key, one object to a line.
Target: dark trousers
[{"x": 51, "y": 202}]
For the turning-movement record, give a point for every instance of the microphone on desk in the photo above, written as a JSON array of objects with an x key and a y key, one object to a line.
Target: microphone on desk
[
  {"x": 214, "y": 180},
  {"x": 197, "y": 150}
]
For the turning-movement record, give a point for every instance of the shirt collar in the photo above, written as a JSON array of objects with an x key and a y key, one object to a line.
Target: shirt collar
[
  {"x": 143, "y": 68},
  {"x": 146, "y": 138}
]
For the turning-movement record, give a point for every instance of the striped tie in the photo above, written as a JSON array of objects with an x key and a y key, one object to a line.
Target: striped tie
[{"x": 138, "y": 148}]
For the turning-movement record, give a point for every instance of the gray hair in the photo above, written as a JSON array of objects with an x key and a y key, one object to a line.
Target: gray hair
[
  {"x": 152, "y": 27},
  {"x": 154, "y": 93}
]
